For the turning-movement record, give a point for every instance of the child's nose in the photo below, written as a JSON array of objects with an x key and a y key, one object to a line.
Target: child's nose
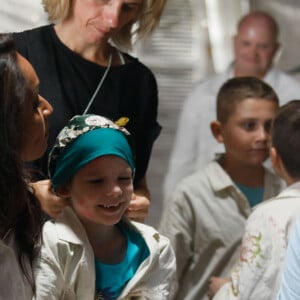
[{"x": 114, "y": 191}]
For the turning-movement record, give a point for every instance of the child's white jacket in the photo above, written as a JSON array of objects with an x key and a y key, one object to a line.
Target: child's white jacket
[
  {"x": 257, "y": 275},
  {"x": 66, "y": 267}
]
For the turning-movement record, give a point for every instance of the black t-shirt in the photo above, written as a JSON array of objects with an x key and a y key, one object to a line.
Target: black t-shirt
[{"x": 68, "y": 81}]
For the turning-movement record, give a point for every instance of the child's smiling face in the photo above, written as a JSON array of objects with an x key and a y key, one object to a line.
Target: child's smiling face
[{"x": 101, "y": 191}]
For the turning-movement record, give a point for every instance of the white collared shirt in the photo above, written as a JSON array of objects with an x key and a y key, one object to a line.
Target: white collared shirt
[
  {"x": 13, "y": 283},
  {"x": 66, "y": 268}
]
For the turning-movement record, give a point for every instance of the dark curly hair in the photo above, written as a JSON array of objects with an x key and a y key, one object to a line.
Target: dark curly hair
[{"x": 19, "y": 210}]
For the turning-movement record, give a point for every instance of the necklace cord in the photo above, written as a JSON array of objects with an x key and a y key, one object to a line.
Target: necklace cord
[{"x": 99, "y": 85}]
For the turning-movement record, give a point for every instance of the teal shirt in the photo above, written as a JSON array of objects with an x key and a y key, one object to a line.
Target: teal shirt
[
  {"x": 112, "y": 278},
  {"x": 253, "y": 194}
]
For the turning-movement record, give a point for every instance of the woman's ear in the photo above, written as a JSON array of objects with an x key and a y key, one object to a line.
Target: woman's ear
[
  {"x": 63, "y": 191},
  {"x": 279, "y": 167},
  {"x": 216, "y": 129}
]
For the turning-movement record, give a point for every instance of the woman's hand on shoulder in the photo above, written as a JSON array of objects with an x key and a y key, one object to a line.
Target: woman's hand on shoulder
[
  {"x": 140, "y": 202},
  {"x": 138, "y": 208}
]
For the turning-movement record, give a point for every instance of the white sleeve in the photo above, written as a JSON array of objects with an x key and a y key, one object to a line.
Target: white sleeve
[
  {"x": 290, "y": 284},
  {"x": 48, "y": 271},
  {"x": 176, "y": 226}
]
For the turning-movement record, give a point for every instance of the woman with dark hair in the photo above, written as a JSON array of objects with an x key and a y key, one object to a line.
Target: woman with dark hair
[{"x": 23, "y": 135}]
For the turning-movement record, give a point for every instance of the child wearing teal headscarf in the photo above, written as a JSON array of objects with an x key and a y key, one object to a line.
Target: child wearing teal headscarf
[{"x": 92, "y": 250}]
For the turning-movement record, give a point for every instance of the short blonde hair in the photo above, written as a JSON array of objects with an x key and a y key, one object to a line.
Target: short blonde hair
[{"x": 145, "y": 23}]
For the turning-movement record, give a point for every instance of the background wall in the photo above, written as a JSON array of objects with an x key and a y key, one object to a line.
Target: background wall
[{"x": 287, "y": 13}]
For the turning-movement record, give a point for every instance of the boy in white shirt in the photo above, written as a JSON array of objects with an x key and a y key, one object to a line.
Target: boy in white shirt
[{"x": 207, "y": 212}]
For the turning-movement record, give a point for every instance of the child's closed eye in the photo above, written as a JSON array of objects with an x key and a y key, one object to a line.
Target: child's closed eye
[
  {"x": 95, "y": 181},
  {"x": 125, "y": 178}
]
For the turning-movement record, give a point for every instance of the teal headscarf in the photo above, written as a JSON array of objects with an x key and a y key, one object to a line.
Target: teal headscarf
[{"x": 83, "y": 139}]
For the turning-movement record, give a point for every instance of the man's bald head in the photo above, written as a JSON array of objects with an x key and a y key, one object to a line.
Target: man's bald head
[
  {"x": 255, "y": 44},
  {"x": 262, "y": 18}
]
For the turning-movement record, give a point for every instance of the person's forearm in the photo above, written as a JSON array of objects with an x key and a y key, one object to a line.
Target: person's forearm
[{"x": 141, "y": 188}]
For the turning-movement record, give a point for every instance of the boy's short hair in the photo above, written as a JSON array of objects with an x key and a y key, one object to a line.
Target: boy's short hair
[
  {"x": 286, "y": 136},
  {"x": 238, "y": 89}
]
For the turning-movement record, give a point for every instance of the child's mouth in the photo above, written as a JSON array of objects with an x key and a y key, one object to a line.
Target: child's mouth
[{"x": 110, "y": 206}]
